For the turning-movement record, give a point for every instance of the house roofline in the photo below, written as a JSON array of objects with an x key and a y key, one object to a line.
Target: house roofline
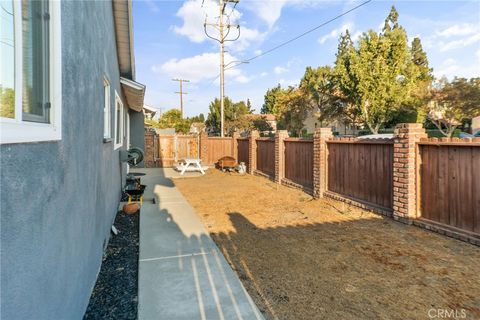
[
  {"x": 134, "y": 93},
  {"x": 122, "y": 16}
]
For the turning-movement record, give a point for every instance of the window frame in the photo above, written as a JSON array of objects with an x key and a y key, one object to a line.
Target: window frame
[
  {"x": 126, "y": 120},
  {"x": 107, "y": 114},
  {"x": 118, "y": 124},
  {"x": 16, "y": 130}
]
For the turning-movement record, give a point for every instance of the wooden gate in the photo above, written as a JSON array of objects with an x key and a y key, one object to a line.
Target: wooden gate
[
  {"x": 172, "y": 148},
  {"x": 450, "y": 184}
]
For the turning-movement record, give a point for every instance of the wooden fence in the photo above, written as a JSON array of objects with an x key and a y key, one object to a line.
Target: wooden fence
[
  {"x": 242, "y": 151},
  {"x": 435, "y": 182},
  {"x": 165, "y": 150},
  {"x": 266, "y": 156},
  {"x": 449, "y": 185},
  {"x": 217, "y": 148},
  {"x": 299, "y": 161},
  {"x": 361, "y": 170}
]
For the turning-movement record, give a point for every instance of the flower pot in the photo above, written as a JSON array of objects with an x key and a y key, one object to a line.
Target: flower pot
[{"x": 131, "y": 208}]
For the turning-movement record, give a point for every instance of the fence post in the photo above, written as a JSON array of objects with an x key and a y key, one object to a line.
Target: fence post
[
  {"x": 252, "y": 151},
  {"x": 235, "y": 137},
  {"x": 203, "y": 147},
  {"x": 404, "y": 170},
  {"x": 280, "y": 136},
  {"x": 320, "y": 153}
]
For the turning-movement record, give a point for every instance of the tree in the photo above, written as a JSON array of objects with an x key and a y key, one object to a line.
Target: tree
[
  {"x": 199, "y": 118},
  {"x": 319, "y": 83},
  {"x": 345, "y": 82},
  {"x": 173, "y": 119},
  {"x": 378, "y": 76},
  {"x": 413, "y": 108},
  {"x": 7, "y": 102},
  {"x": 233, "y": 113},
  {"x": 454, "y": 103},
  {"x": 261, "y": 124},
  {"x": 270, "y": 100},
  {"x": 293, "y": 106},
  {"x": 249, "y": 106}
]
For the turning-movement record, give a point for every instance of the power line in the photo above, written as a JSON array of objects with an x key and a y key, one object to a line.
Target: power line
[
  {"x": 8, "y": 12},
  {"x": 301, "y": 35}
]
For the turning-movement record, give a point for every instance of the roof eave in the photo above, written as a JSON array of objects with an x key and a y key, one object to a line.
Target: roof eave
[
  {"x": 122, "y": 15},
  {"x": 134, "y": 93}
]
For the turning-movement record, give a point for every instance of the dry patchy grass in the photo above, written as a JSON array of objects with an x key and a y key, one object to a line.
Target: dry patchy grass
[{"x": 301, "y": 258}]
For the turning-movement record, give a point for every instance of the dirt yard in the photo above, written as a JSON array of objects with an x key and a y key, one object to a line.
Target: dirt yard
[{"x": 301, "y": 258}]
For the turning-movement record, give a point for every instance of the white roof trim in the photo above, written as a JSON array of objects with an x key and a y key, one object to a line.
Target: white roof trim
[
  {"x": 148, "y": 108},
  {"x": 122, "y": 15},
  {"x": 134, "y": 93}
]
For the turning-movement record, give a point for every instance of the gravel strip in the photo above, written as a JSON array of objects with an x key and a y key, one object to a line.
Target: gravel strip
[{"x": 115, "y": 293}]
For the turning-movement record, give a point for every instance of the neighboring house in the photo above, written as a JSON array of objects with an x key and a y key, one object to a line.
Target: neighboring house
[
  {"x": 149, "y": 112},
  {"x": 270, "y": 119},
  {"x": 76, "y": 107},
  {"x": 475, "y": 125},
  {"x": 197, "y": 127},
  {"x": 312, "y": 122}
]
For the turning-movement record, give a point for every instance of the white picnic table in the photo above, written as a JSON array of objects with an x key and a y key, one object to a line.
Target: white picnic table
[{"x": 190, "y": 164}]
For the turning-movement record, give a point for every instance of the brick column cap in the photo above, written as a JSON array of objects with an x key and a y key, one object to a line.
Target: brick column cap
[
  {"x": 323, "y": 132},
  {"x": 283, "y": 133},
  {"x": 409, "y": 126}
]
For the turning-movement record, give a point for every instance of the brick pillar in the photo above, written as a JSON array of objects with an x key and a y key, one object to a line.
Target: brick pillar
[
  {"x": 404, "y": 170},
  {"x": 320, "y": 153},
  {"x": 149, "y": 160},
  {"x": 252, "y": 151},
  {"x": 235, "y": 137},
  {"x": 203, "y": 148},
  {"x": 280, "y": 136}
]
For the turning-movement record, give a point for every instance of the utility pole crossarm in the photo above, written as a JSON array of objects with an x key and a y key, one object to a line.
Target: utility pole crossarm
[{"x": 221, "y": 39}]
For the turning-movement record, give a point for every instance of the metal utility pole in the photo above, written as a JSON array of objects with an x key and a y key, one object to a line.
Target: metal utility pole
[
  {"x": 181, "y": 93},
  {"x": 220, "y": 26}
]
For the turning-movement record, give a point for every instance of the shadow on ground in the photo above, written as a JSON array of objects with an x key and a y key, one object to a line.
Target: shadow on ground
[{"x": 346, "y": 270}]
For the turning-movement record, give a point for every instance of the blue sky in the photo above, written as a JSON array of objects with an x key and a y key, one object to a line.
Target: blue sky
[{"x": 170, "y": 43}]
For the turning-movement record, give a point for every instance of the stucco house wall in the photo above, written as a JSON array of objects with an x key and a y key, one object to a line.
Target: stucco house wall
[
  {"x": 312, "y": 122},
  {"x": 59, "y": 199}
]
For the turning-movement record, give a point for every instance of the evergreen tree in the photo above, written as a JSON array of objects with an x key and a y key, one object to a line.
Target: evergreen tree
[
  {"x": 419, "y": 58},
  {"x": 378, "y": 76},
  {"x": 233, "y": 112},
  {"x": 249, "y": 106}
]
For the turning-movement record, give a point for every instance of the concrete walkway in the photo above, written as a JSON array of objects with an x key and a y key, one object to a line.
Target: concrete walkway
[{"x": 182, "y": 273}]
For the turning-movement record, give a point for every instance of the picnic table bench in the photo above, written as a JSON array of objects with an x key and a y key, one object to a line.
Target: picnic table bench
[{"x": 190, "y": 164}]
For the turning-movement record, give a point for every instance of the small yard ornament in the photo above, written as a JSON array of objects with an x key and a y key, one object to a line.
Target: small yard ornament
[
  {"x": 242, "y": 168},
  {"x": 131, "y": 208}
]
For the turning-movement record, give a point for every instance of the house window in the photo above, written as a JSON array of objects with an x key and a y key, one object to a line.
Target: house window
[
  {"x": 118, "y": 121},
  {"x": 107, "y": 131},
  {"x": 30, "y": 71}
]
